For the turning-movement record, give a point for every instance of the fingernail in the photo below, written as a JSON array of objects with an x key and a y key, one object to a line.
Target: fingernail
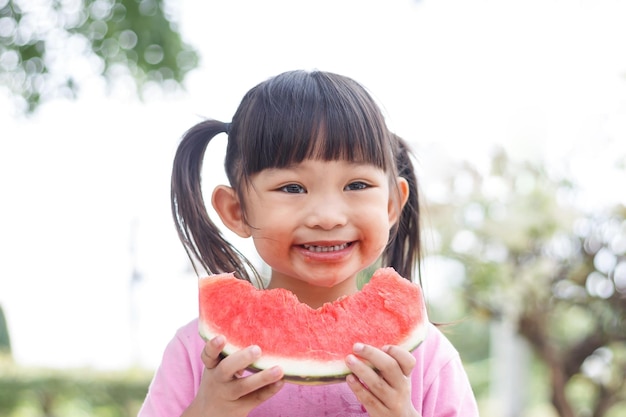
[
  {"x": 217, "y": 340},
  {"x": 256, "y": 351},
  {"x": 358, "y": 347}
]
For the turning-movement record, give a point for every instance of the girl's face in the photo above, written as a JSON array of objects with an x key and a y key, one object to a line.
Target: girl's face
[{"x": 318, "y": 223}]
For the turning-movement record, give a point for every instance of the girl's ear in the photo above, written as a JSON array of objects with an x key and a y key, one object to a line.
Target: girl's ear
[
  {"x": 397, "y": 199},
  {"x": 227, "y": 205}
]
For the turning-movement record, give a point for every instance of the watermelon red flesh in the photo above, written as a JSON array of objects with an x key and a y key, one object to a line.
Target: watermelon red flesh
[{"x": 311, "y": 344}]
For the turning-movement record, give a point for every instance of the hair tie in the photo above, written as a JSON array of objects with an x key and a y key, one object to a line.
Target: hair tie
[{"x": 227, "y": 128}]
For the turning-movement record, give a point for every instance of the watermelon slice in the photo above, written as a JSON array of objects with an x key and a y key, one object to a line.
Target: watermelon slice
[{"x": 311, "y": 344}]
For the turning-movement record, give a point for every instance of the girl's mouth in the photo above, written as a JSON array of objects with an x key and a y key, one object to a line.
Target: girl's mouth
[{"x": 332, "y": 248}]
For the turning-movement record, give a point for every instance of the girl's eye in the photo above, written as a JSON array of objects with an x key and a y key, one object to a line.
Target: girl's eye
[
  {"x": 293, "y": 189},
  {"x": 357, "y": 185}
]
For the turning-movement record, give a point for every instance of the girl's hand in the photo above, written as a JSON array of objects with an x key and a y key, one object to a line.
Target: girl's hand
[
  {"x": 380, "y": 380},
  {"x": 224, "y": 391}
]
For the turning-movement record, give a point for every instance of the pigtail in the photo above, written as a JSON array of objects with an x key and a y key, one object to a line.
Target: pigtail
[
  {"x": 404, "y": 249},
  {"x": 203, "y": 241}
]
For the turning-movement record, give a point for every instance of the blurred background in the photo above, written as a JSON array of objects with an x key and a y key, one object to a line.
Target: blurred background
[{"x": 517, "y": 114}]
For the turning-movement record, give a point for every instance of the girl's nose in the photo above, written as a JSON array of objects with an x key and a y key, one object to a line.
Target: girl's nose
[{"x": 327, "y": 214}]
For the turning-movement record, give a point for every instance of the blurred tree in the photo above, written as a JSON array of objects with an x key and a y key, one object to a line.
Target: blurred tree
[
  {"x": 556, "y": 273},
  {"x": 47, "y": 46},
  {"x": 5, "y": 340}
]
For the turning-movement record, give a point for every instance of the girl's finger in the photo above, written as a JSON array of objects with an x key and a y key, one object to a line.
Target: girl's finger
[
  {"x": 404, "y": 358},
  {"x": 211, "y": 352},
  {"x": 391, "y": 365},
  {"x": 380, "y": 378},
  {"x": 368, "y": 374},
  {"x": 372, "y": 404},
  {"x": 233, "y": 365},
  {"x": 386, "y": 365},
  {"x": 258, "y": 386}
]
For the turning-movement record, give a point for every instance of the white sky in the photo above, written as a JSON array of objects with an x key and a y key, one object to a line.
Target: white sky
[{"x": 544, "y": 78}]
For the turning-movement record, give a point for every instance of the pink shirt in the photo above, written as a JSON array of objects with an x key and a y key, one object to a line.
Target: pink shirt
[{"x": 439, "y": 383}]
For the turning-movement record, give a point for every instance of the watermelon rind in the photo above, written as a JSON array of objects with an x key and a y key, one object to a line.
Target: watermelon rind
[{"x": 308, "y": 372}]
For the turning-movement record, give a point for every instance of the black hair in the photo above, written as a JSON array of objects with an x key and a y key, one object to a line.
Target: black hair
[{"x": 282, "y": 121}]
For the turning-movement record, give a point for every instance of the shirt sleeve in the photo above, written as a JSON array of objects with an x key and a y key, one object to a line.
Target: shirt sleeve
[
  {"x": 450, "y": 395},
  {"x": 176, "y": 380},
  {"x": 442, "y": 389}
]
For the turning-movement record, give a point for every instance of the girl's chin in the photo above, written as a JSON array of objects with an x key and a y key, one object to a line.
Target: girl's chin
[
  {"x": 330, "y": 280},
  {"x": 339, "y": 275}
]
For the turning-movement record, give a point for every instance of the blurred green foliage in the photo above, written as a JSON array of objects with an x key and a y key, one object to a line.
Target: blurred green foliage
[
  {"x": 5, "y": 340},
  {"x": 46, "y": 47},
  {"x": 43, "y": 392},
  {"x": 534, "y": 258}
]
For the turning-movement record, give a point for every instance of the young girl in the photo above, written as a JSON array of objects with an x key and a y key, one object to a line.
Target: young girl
[{"x": 324, "y": 190}]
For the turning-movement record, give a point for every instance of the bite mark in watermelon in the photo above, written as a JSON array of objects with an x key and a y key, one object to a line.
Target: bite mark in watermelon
[{"x": 311, "y": 344}]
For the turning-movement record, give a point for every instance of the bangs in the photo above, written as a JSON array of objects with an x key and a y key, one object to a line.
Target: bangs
[{"x": 309, "y": 115}]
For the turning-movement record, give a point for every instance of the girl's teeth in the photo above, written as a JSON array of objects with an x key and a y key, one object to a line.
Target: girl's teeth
[{"x": 325, "y": 248}]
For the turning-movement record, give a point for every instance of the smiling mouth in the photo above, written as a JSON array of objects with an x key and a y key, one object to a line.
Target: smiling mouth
[{"x": 333, "y": 248}]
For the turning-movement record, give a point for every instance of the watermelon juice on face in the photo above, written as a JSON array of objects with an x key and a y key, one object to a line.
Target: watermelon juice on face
[{"x": 316, "y": 223}]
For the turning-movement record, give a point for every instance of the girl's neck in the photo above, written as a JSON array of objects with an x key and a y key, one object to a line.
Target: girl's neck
[{"x": 312, "y": 295}]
